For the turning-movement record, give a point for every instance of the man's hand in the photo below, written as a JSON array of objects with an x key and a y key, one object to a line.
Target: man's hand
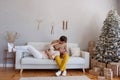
[
  {"x": 53, "y": 44},
  {"x": 62, "y": 50}
]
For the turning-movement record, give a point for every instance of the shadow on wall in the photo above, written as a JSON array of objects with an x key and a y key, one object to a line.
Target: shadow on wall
[
  {"x": 3, "y": 45},
  {"x": 92, "y": 31}
]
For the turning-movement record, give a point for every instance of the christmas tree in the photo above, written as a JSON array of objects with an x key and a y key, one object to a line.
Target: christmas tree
[{"x": 109, "y": 41}]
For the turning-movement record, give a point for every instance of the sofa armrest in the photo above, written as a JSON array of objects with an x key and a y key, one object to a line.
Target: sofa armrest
[
  {"x": 86, "y": 56},
  {"x": 18, "y": 57}
]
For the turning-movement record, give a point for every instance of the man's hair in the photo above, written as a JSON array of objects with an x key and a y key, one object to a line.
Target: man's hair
[{"x": 63, "y": 38}]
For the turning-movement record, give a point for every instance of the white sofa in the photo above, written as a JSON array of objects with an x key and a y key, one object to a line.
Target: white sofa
[{"x": 29, "y": 62}]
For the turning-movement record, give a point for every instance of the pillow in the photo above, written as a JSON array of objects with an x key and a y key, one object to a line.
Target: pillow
[
  {"x": 34, "y": 52},
  {"x": 75, "y": 52},
  {"x": 10, "y": 47}
]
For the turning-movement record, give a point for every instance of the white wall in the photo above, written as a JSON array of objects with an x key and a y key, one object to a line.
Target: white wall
[{"x": 85, "y": 19}]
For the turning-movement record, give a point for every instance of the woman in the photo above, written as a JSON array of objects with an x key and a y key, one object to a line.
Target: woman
[{"x": 62, "y": 59}]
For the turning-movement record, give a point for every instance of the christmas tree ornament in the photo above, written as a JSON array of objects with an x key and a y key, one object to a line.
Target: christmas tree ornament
[{"x": 38, "y": 21}]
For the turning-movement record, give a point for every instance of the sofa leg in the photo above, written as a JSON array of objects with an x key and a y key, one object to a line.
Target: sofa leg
[
  {"x": 21, "y": 72},
  {"x": 83, "y": 71}
]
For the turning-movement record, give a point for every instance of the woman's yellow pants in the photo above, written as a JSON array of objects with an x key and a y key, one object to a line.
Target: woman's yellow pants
[{"x": 62, "y": 62}]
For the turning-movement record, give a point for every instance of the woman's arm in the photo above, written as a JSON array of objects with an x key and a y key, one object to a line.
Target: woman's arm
[{"x": 49, "y": 54}]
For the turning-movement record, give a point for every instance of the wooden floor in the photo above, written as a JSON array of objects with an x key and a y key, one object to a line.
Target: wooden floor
[{"x": 11, "y": 74}]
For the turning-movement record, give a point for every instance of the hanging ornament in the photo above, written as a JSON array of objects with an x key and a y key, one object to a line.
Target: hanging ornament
[
  {"x": 52, "y": 29},
  {"x": 65, "y": 25},
  {"x": 38, "y": 21}
]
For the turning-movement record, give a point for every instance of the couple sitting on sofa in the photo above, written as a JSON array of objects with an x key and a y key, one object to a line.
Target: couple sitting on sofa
[{"x": 58, "y": 50}]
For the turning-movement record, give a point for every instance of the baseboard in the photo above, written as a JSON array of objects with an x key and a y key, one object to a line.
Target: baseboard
[{"x": 7, "y": 65}]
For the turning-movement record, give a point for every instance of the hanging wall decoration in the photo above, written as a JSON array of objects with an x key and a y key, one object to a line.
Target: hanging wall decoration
[
  {"x": 65, "y": 25},
  {"x": 38, "y": 21},
  {"x": 52, "y": 28}
]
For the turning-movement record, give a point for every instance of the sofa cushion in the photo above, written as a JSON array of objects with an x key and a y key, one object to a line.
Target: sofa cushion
[
  {"x": 76, "y": 60},
  {"x": 32, "y": 60},
  {"x": 40, "y": 46},
  {"x": 75, "y": 52}
]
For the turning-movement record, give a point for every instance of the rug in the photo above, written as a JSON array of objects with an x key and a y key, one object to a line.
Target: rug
[{"x": 56, "y": 78}]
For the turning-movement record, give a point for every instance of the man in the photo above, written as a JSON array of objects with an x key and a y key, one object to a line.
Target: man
[{"x": 62, "y": 59}]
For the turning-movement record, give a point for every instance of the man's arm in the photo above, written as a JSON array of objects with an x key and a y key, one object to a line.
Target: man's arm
[
  {"x": 55, "y": 42},
  {"x": 66, "y": 47}
]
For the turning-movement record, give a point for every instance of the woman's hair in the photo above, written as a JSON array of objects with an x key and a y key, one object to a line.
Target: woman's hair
[{"x": 63, "y": 38}]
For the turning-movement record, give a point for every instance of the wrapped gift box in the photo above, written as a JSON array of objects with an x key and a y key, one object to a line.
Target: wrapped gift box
[
  {"x": 114, "y": 67},
  {"x": 93, "y": 63},
  {"x": 96, "y": 69},
  {"x": 119, "y": 70},
  {"x": 101, "y": 65},
  {"x": 94, "y": 73},
  {"x": 108, "y": 73}
]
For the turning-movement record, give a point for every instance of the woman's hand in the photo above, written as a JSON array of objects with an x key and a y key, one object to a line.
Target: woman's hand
[{"x": 49, "y": 54}]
